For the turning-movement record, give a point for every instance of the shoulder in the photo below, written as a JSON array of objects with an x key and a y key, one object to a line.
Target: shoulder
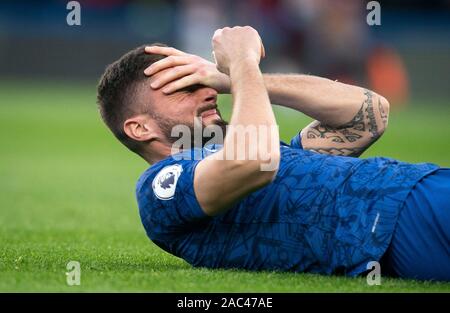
[
  {"x": 166, "y": 199},
  {"x": 162, "y": 177}
]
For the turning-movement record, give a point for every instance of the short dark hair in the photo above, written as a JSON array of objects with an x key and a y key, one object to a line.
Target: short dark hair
[{"x": 117, "y": 88}]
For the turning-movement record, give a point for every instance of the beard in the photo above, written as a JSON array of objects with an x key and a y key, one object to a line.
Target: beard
[{"x": 199, "y": 133}]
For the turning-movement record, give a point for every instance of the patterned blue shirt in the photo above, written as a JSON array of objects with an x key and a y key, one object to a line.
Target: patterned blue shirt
[{"x": 321, "y": 214}]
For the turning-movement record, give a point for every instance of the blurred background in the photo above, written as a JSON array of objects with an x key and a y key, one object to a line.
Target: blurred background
[
  {"x": 407, "y": 55},
  {"x": 67, "y": 186}
]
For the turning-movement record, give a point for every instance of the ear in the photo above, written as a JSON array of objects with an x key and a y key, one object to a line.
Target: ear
[{"x": 140, "y": 128}]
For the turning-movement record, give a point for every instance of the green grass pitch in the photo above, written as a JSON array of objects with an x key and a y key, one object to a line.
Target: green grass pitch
[{"x": 67, "y": 193}]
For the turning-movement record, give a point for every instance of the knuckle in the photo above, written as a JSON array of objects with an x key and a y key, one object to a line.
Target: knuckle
[
  {"x": 175, "y": 86},
  {"x": 202, "y": 72},
  {"x": 171, "y": 59},
  {"x": 195, "y": 58}
]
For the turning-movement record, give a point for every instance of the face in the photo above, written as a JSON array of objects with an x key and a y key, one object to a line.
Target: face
[{"x": 182, "y": 107}]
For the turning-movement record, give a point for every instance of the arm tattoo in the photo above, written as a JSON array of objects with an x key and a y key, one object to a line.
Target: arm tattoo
[
  {"x": 338, "y": 134},
  {"x": 357, "y": 122},
  {"x": 372, "y": 122},
  {"x": 323, "y": 131},
  {"x": 342, "y": 132},
  {"x": 383, "y": 114},
  {"x": 364, "y": 117},
  {"x": 353, "y": 137},
  {"x": 354, "y": 152}
]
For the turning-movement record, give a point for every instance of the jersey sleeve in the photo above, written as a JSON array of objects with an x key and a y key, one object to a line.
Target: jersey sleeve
[
  {"x": 167, "y": 201},
  {"x": 296, "y": 141},
  {"x": 185, "y": 201}
]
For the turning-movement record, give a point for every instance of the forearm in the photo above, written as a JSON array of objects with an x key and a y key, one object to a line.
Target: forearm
[
  {"x": 251, "y": 104},
  {"x": 251, "y": 107},
  {"x": 222, "y": 178},
  {"x": 218, "y": 178},
  {"x": 330, "y": 102}
]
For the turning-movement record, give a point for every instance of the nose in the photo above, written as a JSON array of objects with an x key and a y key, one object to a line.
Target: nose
[{"x": 208, "y": 95}]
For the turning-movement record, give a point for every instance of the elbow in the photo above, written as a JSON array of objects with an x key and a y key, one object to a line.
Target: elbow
[
  {"x": 268, "y": 167},
  {"x": 384, "y": 109},
  {"x": 384, "y": 103}
]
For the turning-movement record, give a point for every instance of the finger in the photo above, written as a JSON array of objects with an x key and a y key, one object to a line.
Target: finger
[
  {"x": 173, "y": 74},
  {"x": 218, "y": 32},
  {"x": 170, "y": 61},
  {"x": 181, "y": 83},
  {"x": 163, "y": 50}
]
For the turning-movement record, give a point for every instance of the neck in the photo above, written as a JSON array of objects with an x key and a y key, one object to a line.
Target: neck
[{"x": 156, "y": 152}]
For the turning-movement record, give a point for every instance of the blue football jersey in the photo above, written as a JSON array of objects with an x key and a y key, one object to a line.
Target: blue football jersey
[{"x": 321, "y": 214}]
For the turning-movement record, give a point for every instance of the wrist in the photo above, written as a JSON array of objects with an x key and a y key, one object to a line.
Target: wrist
[
  {"x": 217, "y": 80},
  {"x": 242, "y": 66},
  {"x": 246, "y": 76},
  {"x": 223, "y": 85}
]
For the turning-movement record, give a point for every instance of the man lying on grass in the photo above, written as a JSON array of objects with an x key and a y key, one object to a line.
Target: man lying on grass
[{"x": 311, "y": 206}]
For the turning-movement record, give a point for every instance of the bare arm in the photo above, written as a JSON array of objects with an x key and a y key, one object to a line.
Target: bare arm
[
  {"x": 348, "y": 118},
  {"x": 251, "y": 107}
]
